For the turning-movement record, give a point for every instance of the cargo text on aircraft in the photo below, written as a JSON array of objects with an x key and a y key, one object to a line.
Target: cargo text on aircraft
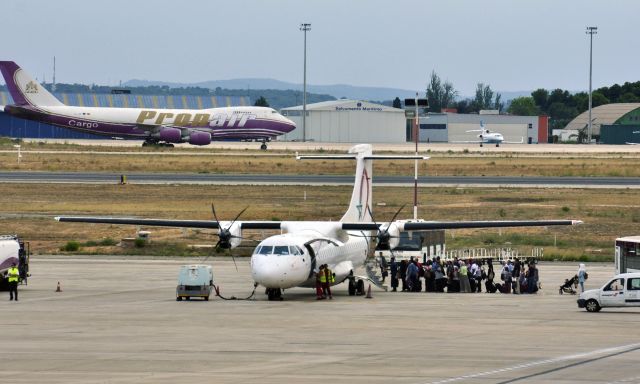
[{"x": 235, "y": 119}]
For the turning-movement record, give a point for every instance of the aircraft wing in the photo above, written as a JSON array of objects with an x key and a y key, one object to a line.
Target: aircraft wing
[
  {"x": 212, "y": 224},
  {"x": 431, "y": 225}
]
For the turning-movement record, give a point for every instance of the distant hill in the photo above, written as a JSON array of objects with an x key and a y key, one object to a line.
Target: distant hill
[{"x": 337, "y": 90}]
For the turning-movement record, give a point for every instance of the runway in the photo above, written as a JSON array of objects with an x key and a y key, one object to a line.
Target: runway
[{"x": 261, "y": 179}]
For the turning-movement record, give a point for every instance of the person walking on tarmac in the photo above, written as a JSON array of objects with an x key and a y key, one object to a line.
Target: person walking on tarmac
[
  {"x": 13, "y": 276},
  {"x": 328, "y": 279}
]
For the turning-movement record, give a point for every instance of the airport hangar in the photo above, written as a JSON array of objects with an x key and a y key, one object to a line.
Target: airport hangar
[
  {"x": 616, "y": 123},
  {"x": 351, "y": 121},
  {"x": 19, "y": 128}
]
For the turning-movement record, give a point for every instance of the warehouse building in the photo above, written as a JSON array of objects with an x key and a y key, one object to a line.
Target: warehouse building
[
  {"x": 20, "y": 128},
  {"x": 347, "y": 121},
  {"x": 453, "y": 127},
  {"x": 616, "y": 123}
]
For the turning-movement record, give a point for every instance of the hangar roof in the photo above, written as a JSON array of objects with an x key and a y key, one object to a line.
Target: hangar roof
[
  {"x": 345, "y": 105},
  {"x": 603, "y": 114}
]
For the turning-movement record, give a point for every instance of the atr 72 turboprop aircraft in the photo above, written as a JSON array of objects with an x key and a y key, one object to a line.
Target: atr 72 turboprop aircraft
[
  {"x": 488, "y": 137},
  {"x": 154, "y": 126},
  {"x": 291, "y": 258}
]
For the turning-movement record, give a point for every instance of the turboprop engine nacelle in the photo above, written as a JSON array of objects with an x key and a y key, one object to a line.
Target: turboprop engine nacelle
[
  {"x": 388, "y": 236},
  {"x": 230, "y": 234}
]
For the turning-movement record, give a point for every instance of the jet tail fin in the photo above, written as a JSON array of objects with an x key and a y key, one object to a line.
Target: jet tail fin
[
  {"x": 361, "y": 199},
  {"x": 24, "y": 89}
]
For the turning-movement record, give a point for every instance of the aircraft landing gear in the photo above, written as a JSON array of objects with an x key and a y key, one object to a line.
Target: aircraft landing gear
[
  {"x": 356, "y": 287},
  {"x": 481, "y": 144},
  {"x": 263, "y": 146},
  {"x": 498, "y": 144},
  {"x": 274, "y": 294},
  {"x": 155, "y": 143}
]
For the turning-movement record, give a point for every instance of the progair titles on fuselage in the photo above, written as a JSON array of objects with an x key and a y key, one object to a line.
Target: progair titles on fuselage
[{"x": 197, "y": 127}]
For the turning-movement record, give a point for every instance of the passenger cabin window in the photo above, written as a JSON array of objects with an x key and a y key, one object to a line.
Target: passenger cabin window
[
  {"x": 615, "y": 285},
  {"x": 634, "y": 284}
]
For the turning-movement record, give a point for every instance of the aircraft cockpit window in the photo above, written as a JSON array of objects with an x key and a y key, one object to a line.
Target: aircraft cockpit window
[
  {"x": 295, "y": 250},
  {"x": 264, "y": 250},
  {"x": 281, "y": 250}
]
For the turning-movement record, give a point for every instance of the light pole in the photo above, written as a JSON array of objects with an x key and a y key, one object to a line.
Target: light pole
[
  {"x": 304, "y": 27},
  {"x": 590, "y": 31}
]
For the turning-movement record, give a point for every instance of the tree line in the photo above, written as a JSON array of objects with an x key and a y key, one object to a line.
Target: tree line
[{"x": 560, "y": 105}]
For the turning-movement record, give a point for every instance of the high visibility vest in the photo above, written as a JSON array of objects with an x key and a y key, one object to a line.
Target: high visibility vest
[
  {"x": 14, "y": 274},
  {"x": 323, "y": 276},
  {"x": 463, "y": 270},
  {"x": 330, "y": 277}
]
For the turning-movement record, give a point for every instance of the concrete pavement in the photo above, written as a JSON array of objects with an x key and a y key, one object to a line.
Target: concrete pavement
[{"x": 117, "y": 321}]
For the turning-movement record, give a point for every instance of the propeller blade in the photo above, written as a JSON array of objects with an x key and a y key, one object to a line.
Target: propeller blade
[
  {"x": 241, "y": 212},
  {"x": 213, "y": 209},
  {"x": 397, "y": 213}
]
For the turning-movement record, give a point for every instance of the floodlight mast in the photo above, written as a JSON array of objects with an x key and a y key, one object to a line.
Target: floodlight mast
[
  {"x": 305, "y": 27},
  {"x": 590, "y": 31}
]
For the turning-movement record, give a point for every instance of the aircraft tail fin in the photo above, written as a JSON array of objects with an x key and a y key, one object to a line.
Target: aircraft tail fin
[
  {"x": 360, "y": 205},
  {"x": 24, "y": 89}
]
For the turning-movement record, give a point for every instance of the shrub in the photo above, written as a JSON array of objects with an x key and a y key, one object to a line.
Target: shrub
[
  {"x": 71, "y": 246},
  {"x": 140, "y": 243},
  {"x": 565, "y": 209}
]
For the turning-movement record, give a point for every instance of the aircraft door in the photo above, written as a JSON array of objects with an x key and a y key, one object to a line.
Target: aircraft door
[{"x": 312, "y": 254}]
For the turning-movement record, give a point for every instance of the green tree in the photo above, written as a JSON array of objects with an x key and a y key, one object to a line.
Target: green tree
[
  {"x": 397, "y": 103},
  {"x": 261, "y": 102},
  {"x": 440, "y": 95},
  {"x": 540, "y": 97},
  {"x": 483, "y": 98},
  {"x": 523, "y": 106}
]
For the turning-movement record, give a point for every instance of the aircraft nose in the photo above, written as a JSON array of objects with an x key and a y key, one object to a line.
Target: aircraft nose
[
  {"x": 278, "y": 271},
  {"x": 290, "y": 123}
]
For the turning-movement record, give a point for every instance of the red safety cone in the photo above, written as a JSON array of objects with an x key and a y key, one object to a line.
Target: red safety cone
[
  {"x": 58, "y": 289},
  {"x": 369, "y": 293}
]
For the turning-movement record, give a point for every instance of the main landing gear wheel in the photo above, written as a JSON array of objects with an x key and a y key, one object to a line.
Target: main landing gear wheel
[
  {"x": 360, "y": 288},
  {"x": 263, "y": 146},
  {"x": 352, "y": 287},
  {"x": 274, "y": 294}
]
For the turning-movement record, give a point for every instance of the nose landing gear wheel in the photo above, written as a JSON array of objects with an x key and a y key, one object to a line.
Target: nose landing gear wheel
[{"x": 274, "y": 294}]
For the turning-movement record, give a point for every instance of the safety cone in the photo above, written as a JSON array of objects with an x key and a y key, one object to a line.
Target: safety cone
[
  {"x": 369, "y": 293},
  {"x": 58, "y": 289}
]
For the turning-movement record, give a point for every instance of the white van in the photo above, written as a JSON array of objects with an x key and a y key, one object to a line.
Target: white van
[{"x": 622, "y": 290}]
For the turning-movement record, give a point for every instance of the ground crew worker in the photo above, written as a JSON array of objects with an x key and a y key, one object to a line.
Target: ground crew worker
[
  {"x": 13, "y": 275},
  {"x": 329, "y": 278},
  {"x": 320, "y": 276}
]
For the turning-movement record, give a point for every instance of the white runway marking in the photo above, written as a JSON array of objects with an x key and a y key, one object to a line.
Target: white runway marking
[{"x": 584, "y": 355}]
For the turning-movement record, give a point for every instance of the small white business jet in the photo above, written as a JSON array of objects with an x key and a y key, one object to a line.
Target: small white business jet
[
  {"x": 488, "y": 137},
  {"x": 292, "y": 258}
]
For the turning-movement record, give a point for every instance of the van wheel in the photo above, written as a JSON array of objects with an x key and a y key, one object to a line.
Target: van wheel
[
  {"x": 206, "y": 298},
  {"x": 179, "y": 298},
  {"x": 592, "y": 306}
]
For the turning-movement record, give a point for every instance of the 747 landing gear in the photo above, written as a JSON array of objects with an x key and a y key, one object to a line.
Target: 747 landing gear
[
  {"x": 274, "y": 294},
  {"x": 155, "y": 143}
]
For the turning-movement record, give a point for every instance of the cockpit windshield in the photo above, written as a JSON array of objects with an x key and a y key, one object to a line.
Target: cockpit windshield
[{"x": 282, "y": 250}]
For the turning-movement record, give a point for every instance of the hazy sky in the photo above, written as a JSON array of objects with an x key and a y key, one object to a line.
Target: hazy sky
[{"x": 511, "y": 44}]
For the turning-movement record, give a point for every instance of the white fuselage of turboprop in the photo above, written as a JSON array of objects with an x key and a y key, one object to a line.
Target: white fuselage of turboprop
[{"x": 290, "y": 260}]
